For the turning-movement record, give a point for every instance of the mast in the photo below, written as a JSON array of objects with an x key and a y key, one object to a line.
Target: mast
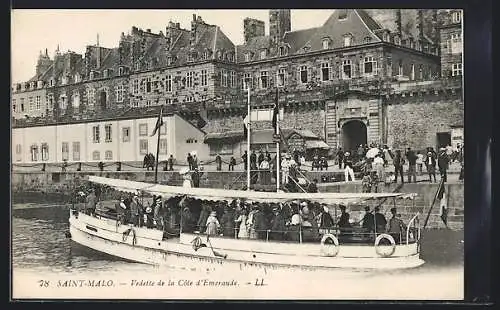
[
  {"x": 158, "y": 145},
  {"x": 278, "y": 157},
  {"x": 248, "y": 136}
]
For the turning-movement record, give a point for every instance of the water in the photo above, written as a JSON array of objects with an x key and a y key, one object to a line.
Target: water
[{"x": 40, "y": 249}]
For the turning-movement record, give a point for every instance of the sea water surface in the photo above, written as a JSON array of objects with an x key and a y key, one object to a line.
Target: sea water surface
[{"x": 42, "y": 252}]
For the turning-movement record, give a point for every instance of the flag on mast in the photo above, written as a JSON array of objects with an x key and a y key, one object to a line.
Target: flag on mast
[
  {"x": 159, "y": 122},
  {"x": 276, "y": 109},
  {"x": 246, "y": 118}
]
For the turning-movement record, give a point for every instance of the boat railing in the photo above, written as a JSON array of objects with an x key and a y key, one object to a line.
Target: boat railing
[{"x": 409, "y": 228}]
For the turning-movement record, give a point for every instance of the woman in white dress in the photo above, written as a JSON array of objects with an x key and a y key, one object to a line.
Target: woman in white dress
[
  {"x": 213, "y": 224},
  {"x": 186, "y": 176},
  {"x": 242, "y": 220}
]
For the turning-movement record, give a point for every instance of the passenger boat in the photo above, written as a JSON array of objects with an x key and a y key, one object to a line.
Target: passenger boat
[{"x": 333, "y": 247}]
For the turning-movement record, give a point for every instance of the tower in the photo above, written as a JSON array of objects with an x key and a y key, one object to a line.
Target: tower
[
  {"x": 279, "y": 23},
  {"x": 43, "y": 63}
]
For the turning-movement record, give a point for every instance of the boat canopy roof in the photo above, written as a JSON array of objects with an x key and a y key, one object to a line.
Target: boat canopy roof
[{"x": 230, "y": 195}]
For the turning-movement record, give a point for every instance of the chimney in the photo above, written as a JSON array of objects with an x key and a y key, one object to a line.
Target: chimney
[{"x": 253, "y": 28}]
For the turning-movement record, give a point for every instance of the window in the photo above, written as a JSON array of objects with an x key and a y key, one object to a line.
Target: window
[
  {"x": 45, "y": 152},
  {"x": 168, "y": 101},
  {"x": 347, "y": 40},
  {"x": 456, "y": 17},
  {"x": 367, "y": 40},
  {"x": 456, "y": 69},
  {"x": 400, "y": 68},
  {"x": 168, "y": 83},
  {"x": 120, "y": 92},
  {"x": 169, "y": 60},
  {"x": 18, "y": 152},
  {"x": 63, "y": 102},
  {"x": 120, "y": 71},
  {"x": 397, "y": 40},
  {"x": 420, "y": 72},
  {"x": 106, "y": 73},
  {"x": 148, "y": 103},
  {"x": 190, "y": 57},
  {"x": 96, "y": 155},
  {"x": 325, "y": 71},
  {"x": 326, "y": 44},
  {"x": 108, "y": 155},
  {"x": 163, "y": 129},
  {"x": 456, "y": 43},
  {"x": 65, "y": 150},
  {"x": 412, "y": 77},
  {"x": 263, "y": 54},
  {"x": 76, "y": 99},
  {"x": 264, "y": 82},
  {"x": 222, "y": 149},
  {"x": 143, "y": 147},
  {"x": 189, "y": 79},
  {"x": 204, "y": 80},
  {"x": 233, "y": 79},
  {"x": 22, "y": 104},
  {"x": 303, "y": 74},
  {"x": 281, "y": 77},
  {"x": 370, "y": 66},
  {"x": 14, "y": 105},
  {"x": 107, "y": 133},
  {"x": 37, "y": 103},
  {"x": 90, "y": 97},
  {"x": 126, "y": 134},
  {"x": 76, "y": 151},
  {"x": 247, "y": 56},
  {"x": 92, "y": 76},
  {"x": 247, "y": 81},
  {"x": 149, "y": 64},
  {"x": 282, "y": 51},
  {"x": 34, "y": 152},
  {"x": 135, "y": 87},
  {"x": 346, "y": 69},
  {"x": 189, "y": 98},
  {"x": 31, "y": 104},
  {"x": 95, "y": 134},
  {"x": 206, "y": 55},
  {"x": 224, "y": 78},
  {"x": 64, "y": 80},
  {"x": 148, "y": 85},
  {"x": 143, "y": 129},
  {"x": 163, "y": 146},
  {"x": 51, "y": 82}
]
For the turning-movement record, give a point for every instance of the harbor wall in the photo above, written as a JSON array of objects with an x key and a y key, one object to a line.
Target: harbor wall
[{"x": 52, "y": 186}]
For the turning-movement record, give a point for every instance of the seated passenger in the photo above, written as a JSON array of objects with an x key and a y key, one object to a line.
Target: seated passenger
[
  {"x": 326, "y": 219},
  {"x": 186, "y": 219},
  {"x": 228, "y": 222},
  {"x": 212, "y": 224},
  {"x": 380, "y": 221},
  {"x": 368, "y": 220},
  {"x": 343, "y": 223},
  {"x": 278, "y": 227},
  {"x": 260, "y": 224},
  {"x": 396, "y": 227}
]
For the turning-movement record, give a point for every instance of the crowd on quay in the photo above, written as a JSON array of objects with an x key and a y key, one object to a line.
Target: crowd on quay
[{"x": 302, "y": 221}]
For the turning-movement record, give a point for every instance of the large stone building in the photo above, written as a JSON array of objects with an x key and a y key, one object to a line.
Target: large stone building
[{"x": 382, "y": 75}]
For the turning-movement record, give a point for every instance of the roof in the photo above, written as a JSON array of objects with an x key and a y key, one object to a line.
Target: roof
[
  {"x": 262, "y": 136},
  {"x": 368, "y": 20},
  {"x": 229, "y": 195},
  {"x": 316, "y": 144},
  {"x": 297, "y": 39}
]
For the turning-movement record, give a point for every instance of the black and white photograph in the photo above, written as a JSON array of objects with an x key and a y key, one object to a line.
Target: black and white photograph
[{"x": 277, "y": 154}]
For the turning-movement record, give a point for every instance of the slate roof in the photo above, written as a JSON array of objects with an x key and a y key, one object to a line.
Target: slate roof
[{"x": 261, "y": 136}]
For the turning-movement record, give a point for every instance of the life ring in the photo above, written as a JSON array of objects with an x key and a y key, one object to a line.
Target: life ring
[
  {"x": 329, "y": 249},
  {"x": 381, "y": 252}
]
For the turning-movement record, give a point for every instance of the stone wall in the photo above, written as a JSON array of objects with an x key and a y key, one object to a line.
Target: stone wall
[{"x": 416, "y": 120}]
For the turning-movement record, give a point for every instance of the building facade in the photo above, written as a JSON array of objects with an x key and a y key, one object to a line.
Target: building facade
[{"x": 380, "y": 75}]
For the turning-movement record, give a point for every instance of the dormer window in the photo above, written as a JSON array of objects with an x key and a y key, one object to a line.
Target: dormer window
[
  {"x": 326, "y": 43},
  {"x": 137, "y": 66},
  {"x": 64, "y": 80},
  {"x": 263, "y": 54},
  {"x": 347, "y": 40},
  {"x": 282, "y": 51},
  {"x": 121, "y": 71},
  {"x": 77, "y": 78},
  {"x": 39, "y": 84},
  {"x": 18, "y": 87},
  {"x": 27, "y": 86},
  {"x": 456, "y": 17},
  {"x": 219, "y": 55},
  {"x": 52, "y": 82},
  {"x": 106, "y": 73},
  {"x": 397, "y": 40},
  {"x": 367, "y": 40},
  {"x": 343, "y": 14},
  {"x": 247, "y": 56},
  {"x": 149, "y": 64},
  {"x": 190, "y": 57},
  {"x": 33, "y": 85},
  {"x": 92, "y": 75}
]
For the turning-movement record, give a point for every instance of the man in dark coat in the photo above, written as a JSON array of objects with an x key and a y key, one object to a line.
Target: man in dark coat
[
  {"x": 412, "y": 165},
  {"x": 380, "y": 221},
  {"x": 278, "y": 227},
  {"x": 340, "y": 157},
  {"x": 171, "y": 163},
  {"x": 396, "y": 226},
  {"x": 260, "y": 158},
  {"x": 398, "y": 162},
  {"x": 134, "y": 211},
  {"x": 260, "y": 224},
  {"x": 368, "y": 220},
  {"x": 312, "y": 187},
  {"x": 218, "y": 161},
  {"x": 326, "y": 219},
  {"x": 195, "y": 176},
  {"x": 443, "y": 163},
  {"x": 430, "y": 163},
  {"x": 232, "y": 163},
  {"x": 186, "y": 219},
  {"x": 190, "y": 161},
  {"x": 227, "y": 222},
  {"x": 244, "y": 158}
]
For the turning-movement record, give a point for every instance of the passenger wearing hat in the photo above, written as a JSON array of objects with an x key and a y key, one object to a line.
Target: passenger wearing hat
[
  {"x": 157, "y": 208},
  {"x": 343, "y": 223},
  {"x": 213, "y": 224},
  {"x": 91, "y": 202},
  {"x": 443, "y": 163},
  {"x": 241, "y": 221},
  {"x": 326, "y": 219},
  {"x": 285, "y": 168},
  {"x": 368, "y": 220},
  {"x": 349, "y": 167},
  {"x": 396, "y": 226},
  {"x": 278, "y": 226},
  {"x": 120, "y": 210},
  {"x": 134, "y": 211},
  {"x": 380, "y": 221},
  {"x": 430, "y": 164},
  {"x": 227, "y": 222}
]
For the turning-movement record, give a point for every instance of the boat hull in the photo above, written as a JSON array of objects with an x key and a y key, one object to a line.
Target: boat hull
[{"x": 146, "y": 246}]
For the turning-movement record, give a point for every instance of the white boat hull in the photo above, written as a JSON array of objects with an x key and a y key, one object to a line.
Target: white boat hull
[{"x": 148, "y": 247}]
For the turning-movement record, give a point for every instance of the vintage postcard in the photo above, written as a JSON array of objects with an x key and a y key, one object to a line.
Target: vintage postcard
[{"x": 237, "y": 154}]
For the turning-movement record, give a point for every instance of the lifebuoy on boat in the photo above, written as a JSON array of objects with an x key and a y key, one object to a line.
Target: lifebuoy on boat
[
  {"x": 329, "y": 245},
  {"x": 384, "y": 250}
]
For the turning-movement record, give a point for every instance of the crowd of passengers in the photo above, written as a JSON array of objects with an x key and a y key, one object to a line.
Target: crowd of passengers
[{"x": 288, "y": 221}]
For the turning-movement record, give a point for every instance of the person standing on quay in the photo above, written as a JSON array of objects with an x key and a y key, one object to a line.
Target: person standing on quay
[
  {"x": 232, "y": 163},
  {"x": 218, "y": 161},
  {"x": 443, "y": 162},
  {"x": 340, "y": 157},
  {"x": 171, "y": 163},
  {"x": 348, "y": 171},
  {"x": 190, "y": 161},
  {"x": 398, "y": 162},
  {"x": 420, "y": 162},
  {"x": 430, "y": 163},
  {"x": 412, "y": 165},
  {"x": 244, "y": 158}
]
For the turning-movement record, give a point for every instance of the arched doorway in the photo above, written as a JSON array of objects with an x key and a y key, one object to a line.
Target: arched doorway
[
  {"x": 353, "y": 134},
  {"x": 103, "y": 99}
]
